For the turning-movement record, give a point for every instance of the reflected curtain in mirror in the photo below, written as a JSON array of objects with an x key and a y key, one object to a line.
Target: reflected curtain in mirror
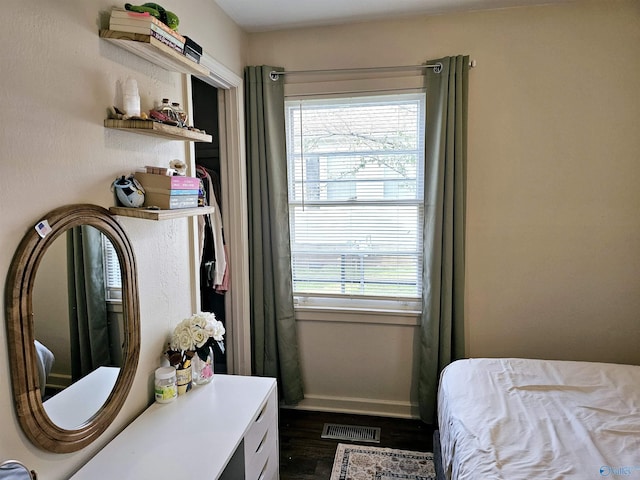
[
  {"x": 94, "y": 339},
  {"x": 442, "y": 322}
]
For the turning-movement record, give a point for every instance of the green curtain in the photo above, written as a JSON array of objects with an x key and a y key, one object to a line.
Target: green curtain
[
  {"x": 273, "y": 327},
  {"x": 89, "y": 326},
  {"x": 442, "y": 323}
]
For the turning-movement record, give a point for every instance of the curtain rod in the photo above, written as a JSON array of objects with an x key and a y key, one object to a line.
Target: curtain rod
[{"x": 437, "y": 68}]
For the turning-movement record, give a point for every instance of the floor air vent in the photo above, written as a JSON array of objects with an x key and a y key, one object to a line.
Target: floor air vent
[{"x": 353, "y": 433}]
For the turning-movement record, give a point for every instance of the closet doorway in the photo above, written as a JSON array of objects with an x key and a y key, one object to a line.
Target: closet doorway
[
  {"x": 216, "y": 104},
  {"x": 213, "y": 282}
]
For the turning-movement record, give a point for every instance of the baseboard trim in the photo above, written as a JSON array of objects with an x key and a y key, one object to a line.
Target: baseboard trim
[
  {"x": 358, "y": 406},
  {"x": 58, "y": 381}
]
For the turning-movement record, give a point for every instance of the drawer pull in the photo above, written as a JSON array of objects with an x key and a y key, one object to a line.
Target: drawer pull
[
  {"x": 264, "y": 470},
  {"x": 261, "y": 414},
  {"x": 264, "y": 439}
]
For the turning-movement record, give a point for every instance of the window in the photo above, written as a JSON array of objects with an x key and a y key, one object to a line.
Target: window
[
  {"x": 356, "y": 169},
  {"x": 112, "y": 275}
]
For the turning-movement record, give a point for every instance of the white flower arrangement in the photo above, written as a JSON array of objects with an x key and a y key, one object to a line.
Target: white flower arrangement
[{"x": 195, "y": 334}]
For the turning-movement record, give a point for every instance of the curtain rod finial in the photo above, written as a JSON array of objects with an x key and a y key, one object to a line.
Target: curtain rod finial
[{"x": 472, "y": 63}]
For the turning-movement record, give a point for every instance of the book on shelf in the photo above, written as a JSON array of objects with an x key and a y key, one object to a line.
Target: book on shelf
[
  {"x": 175, "y": 182},
  {"x": 172, "y": 191},
  {"x": 153, "y": 31},
  {"x": 192, "y": 50},
  {"x": 190, "y": 54},
  {"x": 123, "y": 25},
  {"x": 167, "y": 42},
  {"x": 170, "y": 202},
  {"x": 133, "y": 19}
]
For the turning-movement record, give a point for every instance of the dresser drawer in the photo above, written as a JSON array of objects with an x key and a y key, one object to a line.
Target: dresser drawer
[
  {"x": 261, "y": 463},
  {"x": 266, "y": 416},
  {"x": 271, "y": 470}
]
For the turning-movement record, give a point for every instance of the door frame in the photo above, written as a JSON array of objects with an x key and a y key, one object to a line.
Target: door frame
[{"x": 234, "y": 209}]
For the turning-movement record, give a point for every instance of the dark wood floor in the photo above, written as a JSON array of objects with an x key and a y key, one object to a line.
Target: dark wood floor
[{"x": 306, "y": 456}]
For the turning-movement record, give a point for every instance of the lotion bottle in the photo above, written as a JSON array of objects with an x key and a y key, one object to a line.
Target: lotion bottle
[{"x": 131, "y": 98}]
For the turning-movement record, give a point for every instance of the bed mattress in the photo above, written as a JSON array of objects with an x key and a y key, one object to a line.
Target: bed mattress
[{"x": 537, "y": 419}]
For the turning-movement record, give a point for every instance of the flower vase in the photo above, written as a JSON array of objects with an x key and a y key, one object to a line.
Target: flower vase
[
  {"x": 184, "y": 378},
  {"x": 203, "y": 367}
]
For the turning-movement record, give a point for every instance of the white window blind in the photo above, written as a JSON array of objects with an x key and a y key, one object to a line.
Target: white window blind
[
  {"x": 112, "y": 275},
  {"x": 355, "y": 171}
]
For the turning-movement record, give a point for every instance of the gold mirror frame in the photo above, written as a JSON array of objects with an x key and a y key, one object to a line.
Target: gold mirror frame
[{"x": 20, "y": 329}]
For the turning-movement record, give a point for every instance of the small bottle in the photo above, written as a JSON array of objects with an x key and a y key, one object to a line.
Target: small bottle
[
  {"x": 166, "y": 108},
  {"x": 166, "y": 388},
  {"x": 131, "y": 98},
  {"x": 181, "y": 117}
]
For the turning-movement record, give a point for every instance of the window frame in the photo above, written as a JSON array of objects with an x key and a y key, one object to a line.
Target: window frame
[{"x": 400, "y": 305}]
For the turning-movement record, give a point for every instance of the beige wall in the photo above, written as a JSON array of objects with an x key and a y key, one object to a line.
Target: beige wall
[
  {"x": 553, "y": 229},
  {"x": 56, "y": 82},
  {"x": 51, "y": 310}
]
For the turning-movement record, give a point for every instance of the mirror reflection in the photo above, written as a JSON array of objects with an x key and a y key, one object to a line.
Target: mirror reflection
[
  {"x": 78, "y": 325},
  {"x": 15, "y": 470}
]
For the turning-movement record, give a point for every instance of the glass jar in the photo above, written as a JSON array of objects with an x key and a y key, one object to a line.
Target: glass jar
[
  {"x": 167, "y": 109},
  {"x": 183, "y": 375},
  {"x": 166, "y": 389},
  {"x": 165, "y": 106},
  {"x": 181, "y": 116},
  {"x": 203, "y": 367}
]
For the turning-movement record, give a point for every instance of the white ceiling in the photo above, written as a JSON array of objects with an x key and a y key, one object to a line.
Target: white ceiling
[{"x": 264, "y": 15}]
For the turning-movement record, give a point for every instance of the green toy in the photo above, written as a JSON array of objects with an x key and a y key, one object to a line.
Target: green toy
[{"x": 170, "y": 19}]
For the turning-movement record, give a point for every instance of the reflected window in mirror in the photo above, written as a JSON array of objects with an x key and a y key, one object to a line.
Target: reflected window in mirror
[{"x": 112, "y": 275}]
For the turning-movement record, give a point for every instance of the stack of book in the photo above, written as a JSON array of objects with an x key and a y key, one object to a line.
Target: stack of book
[
  {"x": 169, "y": 192},
  {"x": 192, "y": 50},
  {"x": 144, "y": 23}
]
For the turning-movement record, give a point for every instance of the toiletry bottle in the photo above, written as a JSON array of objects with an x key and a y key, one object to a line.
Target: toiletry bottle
[
  {"x": 166, "y": 389},
  {"x": 131, "y": 98}
]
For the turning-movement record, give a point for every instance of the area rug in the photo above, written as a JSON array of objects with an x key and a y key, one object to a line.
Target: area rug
[{"x": 358, "y": 462}]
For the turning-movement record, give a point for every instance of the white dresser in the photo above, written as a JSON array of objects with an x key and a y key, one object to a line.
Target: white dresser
[{"x": 225, "y": 430}]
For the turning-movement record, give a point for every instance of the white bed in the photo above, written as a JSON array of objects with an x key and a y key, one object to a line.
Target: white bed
[{"x": 525, "y": 419}]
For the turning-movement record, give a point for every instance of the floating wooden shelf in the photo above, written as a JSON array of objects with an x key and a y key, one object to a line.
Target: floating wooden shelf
[
  {"x": 155, "y": 51},
  {"x": 160, "y": 214},
  {"x": 149, "y": 127}
]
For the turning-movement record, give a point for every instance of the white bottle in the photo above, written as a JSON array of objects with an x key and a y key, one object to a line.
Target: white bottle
[
  {"x": 166, "y": 389},
  {"x": 131, "y": 98}
]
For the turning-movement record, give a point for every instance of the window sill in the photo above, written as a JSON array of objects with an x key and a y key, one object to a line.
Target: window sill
[{"x": 357, "y": 315}]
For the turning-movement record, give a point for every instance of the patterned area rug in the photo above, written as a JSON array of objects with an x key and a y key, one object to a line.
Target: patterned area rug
[{"x": 358, "y": 462}]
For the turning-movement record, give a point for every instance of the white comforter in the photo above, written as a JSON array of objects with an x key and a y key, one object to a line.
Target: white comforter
[{"x": 535, "y": 419}]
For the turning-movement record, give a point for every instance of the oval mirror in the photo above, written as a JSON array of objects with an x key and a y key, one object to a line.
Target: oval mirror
[{"x": 73, "y": 326}]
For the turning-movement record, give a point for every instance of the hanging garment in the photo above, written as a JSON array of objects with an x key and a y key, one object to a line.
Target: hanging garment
[
  {"x": 224, "y": 286},
  {"x": 215, "y": 224}
]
